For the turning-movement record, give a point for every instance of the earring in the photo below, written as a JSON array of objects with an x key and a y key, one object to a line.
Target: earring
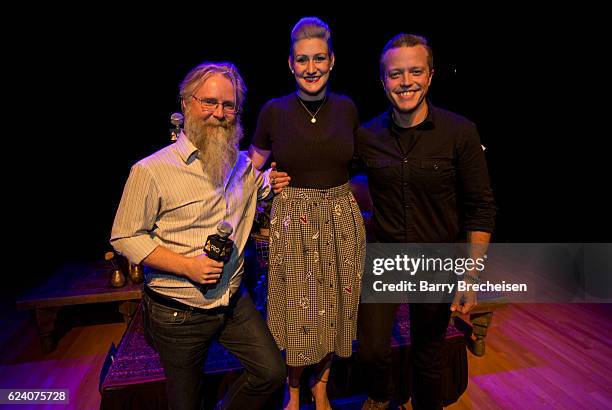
[
  {"x": 331, "y": 68},
  {"x": 292, "y": 72}
]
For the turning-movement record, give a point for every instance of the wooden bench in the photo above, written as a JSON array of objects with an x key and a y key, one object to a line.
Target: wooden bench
[{"x": 76, "y": 284}]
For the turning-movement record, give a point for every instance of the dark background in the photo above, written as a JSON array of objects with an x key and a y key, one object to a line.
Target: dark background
[{"x": 101, "y": 89}]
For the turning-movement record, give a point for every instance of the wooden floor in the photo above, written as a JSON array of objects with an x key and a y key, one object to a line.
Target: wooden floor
[
  {"x": 74, "y": 365},
  {"x": 538, "y": 357},
  {"x": 544, "y": 356}
]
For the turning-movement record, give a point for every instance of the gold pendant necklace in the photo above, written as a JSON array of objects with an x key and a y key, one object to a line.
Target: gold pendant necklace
[{"x": 313, "y": 119}]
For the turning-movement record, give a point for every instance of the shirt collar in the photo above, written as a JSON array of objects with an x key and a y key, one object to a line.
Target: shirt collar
[
  {"x": 428, "y": 122},
  {"x": 185, "y": 148}
]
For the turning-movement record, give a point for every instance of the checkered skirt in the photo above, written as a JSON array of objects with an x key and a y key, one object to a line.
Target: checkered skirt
[{"x": 317, "y": 250}]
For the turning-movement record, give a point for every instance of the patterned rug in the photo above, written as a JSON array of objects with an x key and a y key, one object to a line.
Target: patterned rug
[
  {"x": 401, "y": 329},
  {"x": 136, "y": 362}
]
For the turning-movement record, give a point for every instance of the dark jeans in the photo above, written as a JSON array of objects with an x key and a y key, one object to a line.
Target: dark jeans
[
  {"x": 182, "y": 339},
  {"x": 428, "y": 324}
]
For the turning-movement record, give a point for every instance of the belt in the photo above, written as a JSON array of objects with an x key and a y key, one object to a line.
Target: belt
[{"x": 175, "y": 304}]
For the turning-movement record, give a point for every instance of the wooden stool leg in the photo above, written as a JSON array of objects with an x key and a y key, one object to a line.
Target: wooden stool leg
[
  {"x": 127, "y": 309},
  {"x": 480, "y": 324},
  {"x": 45, "y": 321}
]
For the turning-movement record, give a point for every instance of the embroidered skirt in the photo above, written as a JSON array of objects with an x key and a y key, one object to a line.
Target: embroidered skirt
[{"x": 317, "y": 250}]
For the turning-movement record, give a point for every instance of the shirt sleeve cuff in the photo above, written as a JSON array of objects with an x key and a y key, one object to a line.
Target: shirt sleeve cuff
[
  {"x": 265, "y": 186},
  {"x": 136, "y": 248}
]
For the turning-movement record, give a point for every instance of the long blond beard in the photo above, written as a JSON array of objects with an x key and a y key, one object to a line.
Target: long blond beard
[{"x": 217, "y": 142}]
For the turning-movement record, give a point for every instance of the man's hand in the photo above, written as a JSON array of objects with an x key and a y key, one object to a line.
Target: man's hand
[
  {"x": 464, "y": 301},
  {"x": 478, "y": 242},
  {"x": 278, "y": 180},
  {"x": 203, "y": 270}
]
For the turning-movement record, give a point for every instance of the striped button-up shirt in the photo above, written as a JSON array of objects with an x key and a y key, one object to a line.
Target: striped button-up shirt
[{"x": 169, "y": 201}]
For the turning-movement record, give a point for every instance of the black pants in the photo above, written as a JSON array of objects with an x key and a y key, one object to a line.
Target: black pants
[
  {"x": 428, "y": 324},
  {"x": 182, "y": 338}
]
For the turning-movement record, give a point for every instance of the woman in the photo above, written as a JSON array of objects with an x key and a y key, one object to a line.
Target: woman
[{"x": 317, "y": 238}]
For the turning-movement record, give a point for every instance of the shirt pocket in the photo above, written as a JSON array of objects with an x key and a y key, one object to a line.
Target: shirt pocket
[
  {"x": 435, "y": 176},
  {"x": 381, "y": 171}
]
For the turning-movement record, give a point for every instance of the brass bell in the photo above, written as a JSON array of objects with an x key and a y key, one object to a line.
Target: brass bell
[
  {"x": 135, "y": 272},
  {"x": 117, "y": 278}
]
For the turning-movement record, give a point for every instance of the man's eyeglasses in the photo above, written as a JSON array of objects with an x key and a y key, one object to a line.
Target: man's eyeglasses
[{"x": 210, "y": 104}]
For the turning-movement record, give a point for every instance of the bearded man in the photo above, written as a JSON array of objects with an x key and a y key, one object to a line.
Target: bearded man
[{"x": 173, "y": 200}]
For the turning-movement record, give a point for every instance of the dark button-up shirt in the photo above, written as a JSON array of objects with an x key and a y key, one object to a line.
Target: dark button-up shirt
[{"x": 428, "y": 182}]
